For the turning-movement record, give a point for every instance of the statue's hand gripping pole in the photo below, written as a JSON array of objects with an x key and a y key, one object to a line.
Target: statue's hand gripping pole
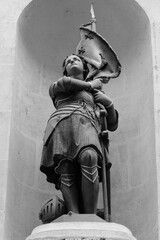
[{"x": 105, "y": 167}]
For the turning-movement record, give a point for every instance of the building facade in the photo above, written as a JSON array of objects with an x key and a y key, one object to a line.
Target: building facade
[{"x": 35, "y": 38}]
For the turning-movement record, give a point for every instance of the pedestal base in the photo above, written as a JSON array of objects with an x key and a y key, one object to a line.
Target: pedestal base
[{"x": 78, "y": 226}]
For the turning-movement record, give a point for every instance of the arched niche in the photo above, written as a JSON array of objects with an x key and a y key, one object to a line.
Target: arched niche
[{"x": 47, "y": 31}]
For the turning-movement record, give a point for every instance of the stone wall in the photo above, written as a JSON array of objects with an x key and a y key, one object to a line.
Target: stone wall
[
  {"x": 32, "y": 50},
  {"x": 9, "y": 13}
]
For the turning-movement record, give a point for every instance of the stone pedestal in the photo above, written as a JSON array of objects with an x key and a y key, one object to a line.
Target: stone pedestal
[{"x": 81, "y": 226}]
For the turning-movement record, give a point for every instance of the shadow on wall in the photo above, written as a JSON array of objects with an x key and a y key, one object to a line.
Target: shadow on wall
[{"x": 47, "y": 31}]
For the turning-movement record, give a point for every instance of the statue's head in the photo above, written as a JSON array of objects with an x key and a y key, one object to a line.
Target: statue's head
[{"x": 75, "y": 63}]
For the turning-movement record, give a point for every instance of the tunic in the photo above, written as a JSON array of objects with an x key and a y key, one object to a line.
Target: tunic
[{"x": 74, "y": 126}]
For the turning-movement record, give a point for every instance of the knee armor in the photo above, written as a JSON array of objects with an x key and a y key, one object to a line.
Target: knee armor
[
  {"x": 88, "y": 161},
  {"x": 68, "y": 179},
  {"x": 67, "y": 172}
]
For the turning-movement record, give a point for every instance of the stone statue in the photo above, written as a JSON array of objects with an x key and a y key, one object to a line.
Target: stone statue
[{"x": 72, "y": 152}]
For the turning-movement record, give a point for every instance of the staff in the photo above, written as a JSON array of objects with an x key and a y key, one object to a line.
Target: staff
[
  {"x": 105, "y": 164},
  {"x": 93, "y": 19},
  {"x": 104, "y": 138}
]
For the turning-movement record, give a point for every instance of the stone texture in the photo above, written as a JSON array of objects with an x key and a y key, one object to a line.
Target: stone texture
[
  {"x": 3, "y": 173},
  {"x": 23, "y": 151},
  {"x": 4, "y": 136},
  {"x": 30, "y": 112},
  {"x": 79, "y": 228},
  {"x": 22, "y": 210},
  {"x": 41, "y": 47}
]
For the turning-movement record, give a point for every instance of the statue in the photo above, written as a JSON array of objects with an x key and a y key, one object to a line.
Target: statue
[{"x": 73, "y": 153}]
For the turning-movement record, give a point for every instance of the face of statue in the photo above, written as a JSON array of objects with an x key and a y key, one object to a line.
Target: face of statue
[{"x": 74, "y": 66}]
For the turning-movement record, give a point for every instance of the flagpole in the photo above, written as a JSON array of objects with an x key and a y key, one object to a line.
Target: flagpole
[
  {"x": 93, "y": 19},
  {"x": 105, "y": 174}
]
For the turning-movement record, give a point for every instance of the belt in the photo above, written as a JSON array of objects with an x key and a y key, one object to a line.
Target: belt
[{"x": 76, "y": 102}]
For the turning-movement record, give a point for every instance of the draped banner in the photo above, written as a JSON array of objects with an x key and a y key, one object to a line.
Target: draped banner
[{"x": 98, "y": 53}]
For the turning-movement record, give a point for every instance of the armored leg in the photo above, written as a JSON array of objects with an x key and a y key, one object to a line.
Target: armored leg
[
  {"x": 88, "y": 159},
  {"x": 68, "y": 185}
]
